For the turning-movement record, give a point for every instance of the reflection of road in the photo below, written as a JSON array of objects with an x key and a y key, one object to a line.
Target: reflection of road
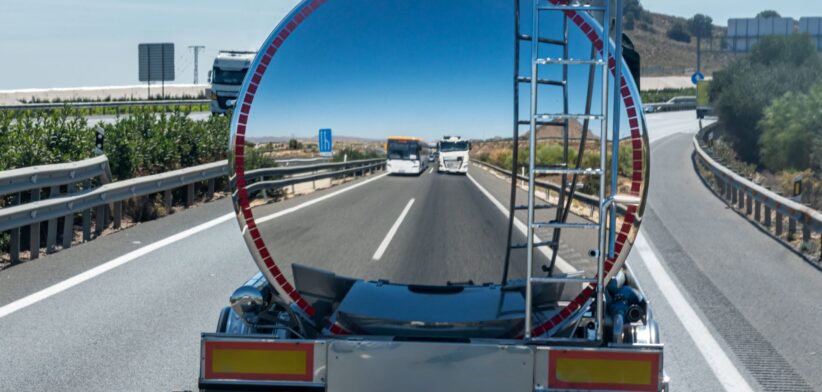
[
  {"x": 137, "y": 326},
  {"x": 112, "y": 118}
]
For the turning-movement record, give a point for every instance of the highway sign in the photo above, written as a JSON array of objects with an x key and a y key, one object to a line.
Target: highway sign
[
  {"x": 325, "y": 142},
  {"x": 696, "y": 77},
  {"x": 156, "y": 62}
]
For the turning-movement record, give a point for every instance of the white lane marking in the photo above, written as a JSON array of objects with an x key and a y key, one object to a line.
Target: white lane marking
[
  {"x": 563, "y": 265},
  {"x": 107, "y": 266},
  {"x": 317, "y": 200},
  {"x": 724, "y": 370},
  {"x": 387, "y": 240},
  {"x": 431, "y": 170},
  {"x": 114, "y": 263}
]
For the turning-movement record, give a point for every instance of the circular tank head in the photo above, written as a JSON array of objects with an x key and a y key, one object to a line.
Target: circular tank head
[{"x": 375, "y": 86}]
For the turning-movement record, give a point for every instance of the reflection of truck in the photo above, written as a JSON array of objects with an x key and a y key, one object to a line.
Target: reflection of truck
[
  {"x": 453, "y": 153},
  {"x": 227, "y": 76}
]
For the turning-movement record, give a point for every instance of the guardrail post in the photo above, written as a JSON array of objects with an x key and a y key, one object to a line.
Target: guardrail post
[
  {"x": 118, "y": 214},
  {"x": 51, "y": 230},
  {"x": 748, "y": 205},
  {"x": 86, "y": 216},
  {"x": 14, "y": 241},
  {"x": 99, "y": 220},
  {"x": 791, "y": 227},
  {"x": 210, "y": 192},
  {"x": 68, "y": 222},
  {"x": 778, "y": 223},
  {"x": 740, "y": 198},
  {"x": 189, "y": 194},
  {"x": 34, "y": 230},
  {"x": 757, "y": 211},
  {"x": 767, "y": 215},
  {"x": 729, "y": 195},
  {"x": 806, "y": 232},
  {"x": 167, "y": 200}
]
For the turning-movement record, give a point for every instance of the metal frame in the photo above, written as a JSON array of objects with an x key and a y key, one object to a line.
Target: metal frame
[{"x": 606, "y": 228}]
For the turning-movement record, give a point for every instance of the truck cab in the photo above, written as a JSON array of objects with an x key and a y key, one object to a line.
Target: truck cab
[
  {"x": 226, "y": 78},
  {"x": 453, "y": 155}
]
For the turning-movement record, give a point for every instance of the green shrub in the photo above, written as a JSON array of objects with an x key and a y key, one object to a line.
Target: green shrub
[
  {"x": 792, "y": 132},
  {"x": 742, "y": 91}
]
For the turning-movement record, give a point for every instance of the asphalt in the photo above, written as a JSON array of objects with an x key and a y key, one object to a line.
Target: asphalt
[{"x": 137, "y": 326}]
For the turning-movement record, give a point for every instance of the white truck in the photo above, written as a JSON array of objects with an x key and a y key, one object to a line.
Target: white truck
[
  {"x": 226, "y": 78},
  {"x": 453, "y": 155}
]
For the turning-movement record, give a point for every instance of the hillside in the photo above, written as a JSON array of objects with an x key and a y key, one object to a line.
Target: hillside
[{"x": 662, "y": 56}]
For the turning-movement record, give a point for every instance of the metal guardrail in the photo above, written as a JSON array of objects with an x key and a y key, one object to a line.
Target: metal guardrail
[
  {"x": 667, "y": 107},
  {"x": 585, "y": 199},
  {"x": 755, "y": 202},
  {"x": 66, "y": 201},
  {"x": 263, "y": 179},
  {"x": 107, "y": 104}
]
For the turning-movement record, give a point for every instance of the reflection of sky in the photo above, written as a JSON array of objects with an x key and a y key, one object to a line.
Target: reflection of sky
[{"x": 417, "y": 68}]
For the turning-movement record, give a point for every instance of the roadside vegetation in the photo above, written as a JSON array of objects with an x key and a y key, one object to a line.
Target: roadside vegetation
[
  {"x": 769, "y": 103},
  {"x": 657, "y": 96}
]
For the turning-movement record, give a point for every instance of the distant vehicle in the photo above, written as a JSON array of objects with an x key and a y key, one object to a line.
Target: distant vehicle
[
  {"x": 453, "y": 155},
  {"x": 406, "y": 155},
  {"x": 432, "y": 157},
  {"x": 675, "y": 103},
  {"x": 227, "y": 77}
]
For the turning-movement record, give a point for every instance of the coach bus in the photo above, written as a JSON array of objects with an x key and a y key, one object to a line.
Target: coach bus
[{"x": 406, "y": 155}]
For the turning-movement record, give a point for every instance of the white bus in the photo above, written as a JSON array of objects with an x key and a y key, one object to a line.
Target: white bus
[
  {"x": 406, "y": 155},
  {"x": 453, "y": 155}
]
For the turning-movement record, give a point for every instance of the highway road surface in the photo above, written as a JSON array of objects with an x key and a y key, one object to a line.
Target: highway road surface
[{"x": 737, "y": 310}]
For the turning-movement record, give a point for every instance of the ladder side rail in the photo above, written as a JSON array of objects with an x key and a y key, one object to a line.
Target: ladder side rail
[
  {"x": 564, "y": 179},
  {"x": 515, "y": 148},
  {"x": 531, "y": 158},
  {"x": 603, "y": 139},
  {"x": 616, "y": 125}
]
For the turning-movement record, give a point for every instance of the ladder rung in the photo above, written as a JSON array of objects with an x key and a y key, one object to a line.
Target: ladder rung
[
  {"x": 563, "y": 225},
  {"x": 536, "y": 207},
  {"x": 585, "y": 171},
  {"x": 564, "y": 279},
  {"x": 581, "y": 7},
  {"x": 525, "y": 79},
  {"x": 627, "y": 200},
  {"x": 569, "y": 116},
  {"x": 536, "y": 244},
  {"x": 562, "y": 61},
  {"x": 542, "y": 122},
  {"x": 550, "y": 41}
]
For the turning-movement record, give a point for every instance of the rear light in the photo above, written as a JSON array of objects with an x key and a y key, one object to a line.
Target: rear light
[{"x": 604, "y": 370}]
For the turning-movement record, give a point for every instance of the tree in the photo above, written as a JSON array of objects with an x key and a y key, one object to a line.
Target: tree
[
  {"x": 294, "y": 144},
  {"x": 701, "y": 26},
  {"x": 746, "y": 87},
  {"x": 679, "y": 32},
  {"x": 768, "y": 14}
]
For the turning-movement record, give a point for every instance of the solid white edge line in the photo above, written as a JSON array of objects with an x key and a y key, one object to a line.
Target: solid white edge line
[
  {"x": 391, "y": 232},
  {"x": 722, "y": 366},
  {"x": 107, "y": 266},
  {"x": 57, "y": 288},
  {"x": 563, "y": 265}
]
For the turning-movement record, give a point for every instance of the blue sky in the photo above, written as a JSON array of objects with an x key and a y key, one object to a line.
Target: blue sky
[{"x": 423, "y": 68}]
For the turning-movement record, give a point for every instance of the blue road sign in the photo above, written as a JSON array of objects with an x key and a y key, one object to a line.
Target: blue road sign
[
  {"x": 696, "y": 77},
  {"x": 325, "y": 142}
]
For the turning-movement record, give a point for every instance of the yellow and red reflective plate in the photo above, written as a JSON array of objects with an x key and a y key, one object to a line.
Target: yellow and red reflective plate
[
  {"x": 603, "y": 370},
  {"x": 270, "y": 361}
]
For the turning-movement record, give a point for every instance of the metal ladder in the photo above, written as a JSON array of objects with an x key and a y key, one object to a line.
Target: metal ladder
[{"x": 607, "y": 196}]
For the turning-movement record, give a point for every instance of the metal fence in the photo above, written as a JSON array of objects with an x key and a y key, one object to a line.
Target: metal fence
[
  {"x": 766, "y": 208},
  {"x": 108, "y": 104},
  {"x": 54, "y": 195}
]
